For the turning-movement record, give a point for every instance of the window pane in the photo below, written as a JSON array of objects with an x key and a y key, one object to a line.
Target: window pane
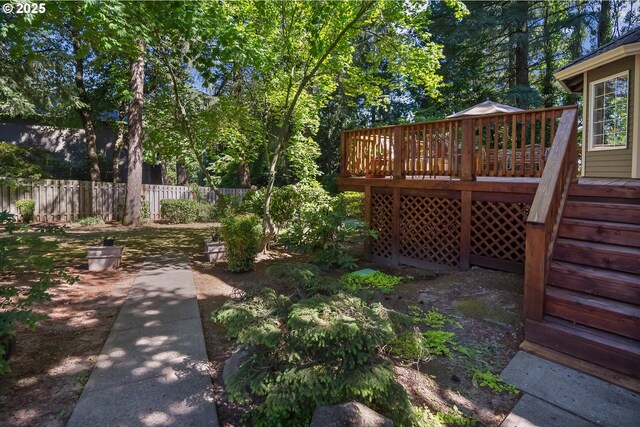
[
  {"x": 609, "y": 86},
  {"x": 597, "y": 128},
  {"x": 598, "y": 103},
  {"x": 598, "y": 89},
  {"x": 610, "y": 112},
  {"x": 597, "y": 140}
]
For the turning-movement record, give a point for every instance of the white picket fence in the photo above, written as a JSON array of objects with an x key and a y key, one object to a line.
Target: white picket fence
[{"x": 65, "y": 201}]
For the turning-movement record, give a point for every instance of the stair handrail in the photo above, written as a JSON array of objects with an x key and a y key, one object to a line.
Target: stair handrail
[{"x": 546, "y": 211}]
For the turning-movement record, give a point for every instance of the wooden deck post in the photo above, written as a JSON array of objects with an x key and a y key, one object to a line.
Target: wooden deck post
[
  {"x": 465, "y": 230},
  {"x": 367, "y": 219},
  {"x": 468, "y": 135},
  {"x": 398, "y": 139},
  {"x": 395, "y": 233}
]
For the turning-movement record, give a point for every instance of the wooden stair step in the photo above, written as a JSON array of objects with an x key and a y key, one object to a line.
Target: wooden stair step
[
  {"x": 610, "y": 190},
  {"x": 601, "y": 348},
  {"x": 600, "y": 231},
  {"x": 601, "y": 255},
  {"x": 596, "y": 281},
  {"x": 603, "y": 211},
  {"x": 597, "y": 312}
]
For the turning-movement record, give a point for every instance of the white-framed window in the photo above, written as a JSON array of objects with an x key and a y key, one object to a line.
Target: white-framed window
[{"x": 609, "y": 112}]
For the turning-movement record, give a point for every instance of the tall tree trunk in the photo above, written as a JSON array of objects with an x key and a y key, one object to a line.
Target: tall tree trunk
[
  {"x": 548, "y": 51},
  {"x": 182, "y": 177},
  {"x": 522, "y": 44},
  {"x": 604, "y": 23},
  {"x": 134, "y": 167},
  {"x": 163, "y": 171},
  {"x": 117, "y": 147},
  {"x": 84, "y": 110},
  {"x": 244, "y": 175},
  {"x": 575, "y": 44}
]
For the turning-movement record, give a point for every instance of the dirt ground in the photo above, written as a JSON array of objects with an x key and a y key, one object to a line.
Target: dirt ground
[
  {"x": 52, "y": 364},
  {"x": 487, "y": 304}
]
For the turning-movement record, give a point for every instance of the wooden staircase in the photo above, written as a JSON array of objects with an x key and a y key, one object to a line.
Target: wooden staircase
[{"x": 592, "y": 292}]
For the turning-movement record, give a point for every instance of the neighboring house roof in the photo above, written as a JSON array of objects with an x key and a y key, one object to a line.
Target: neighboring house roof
[
  {"x": 571, "y": 75},
  {"x": 484, "y": 108}
]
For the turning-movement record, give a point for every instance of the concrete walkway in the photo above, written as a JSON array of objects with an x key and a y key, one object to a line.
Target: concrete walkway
[
  {"x": 558, "y": 396},
  {"x": 153, "y": 367}
]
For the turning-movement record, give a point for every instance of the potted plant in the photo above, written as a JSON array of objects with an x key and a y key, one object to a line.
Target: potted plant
[
  {"x": 214, "y": 247},
  {"x": 106, "y": 256}
]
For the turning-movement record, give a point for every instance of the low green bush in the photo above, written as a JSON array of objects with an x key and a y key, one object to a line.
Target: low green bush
[
  {"x": 321, "y": 350},
  {"x": 241, "y": 235},
  {"x": 324, "y": 233},
  {"x": 178, "y": 211},
  {"x": 205, "y": 212},
  {"x": 184, "y": 211},
  {"x": 354, "y": 203},
  {"x": 90, "y": 220},
  {"x": 27, "y": 209},
  {"x": 294, "y": 271}
]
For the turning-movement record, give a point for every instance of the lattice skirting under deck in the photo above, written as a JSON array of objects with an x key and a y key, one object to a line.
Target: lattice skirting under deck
[{"x": 431, "y": 227}]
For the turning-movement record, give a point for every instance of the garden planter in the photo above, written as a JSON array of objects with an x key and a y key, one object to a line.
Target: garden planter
[
  {"x": 215, "y": 251},
  {"x": 104, "y": 257}
]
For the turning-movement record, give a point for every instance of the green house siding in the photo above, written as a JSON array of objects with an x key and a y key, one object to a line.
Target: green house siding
[{"x": 614, "y": 163}]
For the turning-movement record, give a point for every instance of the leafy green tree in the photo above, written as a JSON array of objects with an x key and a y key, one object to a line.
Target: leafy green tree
[{"x": 304, "y": 47}]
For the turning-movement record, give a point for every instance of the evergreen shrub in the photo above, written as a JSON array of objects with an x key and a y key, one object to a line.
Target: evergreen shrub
[
  {"x": 241, "y": 235},
  {"x": 27, "y": 209},
  {"x": 321, "y": 350}
]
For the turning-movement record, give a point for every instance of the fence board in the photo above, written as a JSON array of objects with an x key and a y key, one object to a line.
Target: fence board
[{"x": 66, "y": 200}]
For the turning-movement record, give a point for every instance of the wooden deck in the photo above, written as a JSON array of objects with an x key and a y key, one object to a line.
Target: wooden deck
[{"x": 576, "y": 239}]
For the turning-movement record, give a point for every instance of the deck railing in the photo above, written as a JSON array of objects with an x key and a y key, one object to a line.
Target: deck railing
[
  {"x": 546, "y": 212},
  {"x": 502, "y": 145}
]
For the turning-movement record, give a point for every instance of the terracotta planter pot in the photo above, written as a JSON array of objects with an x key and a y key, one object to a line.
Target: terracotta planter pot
[{"x": 102, "y": 258}]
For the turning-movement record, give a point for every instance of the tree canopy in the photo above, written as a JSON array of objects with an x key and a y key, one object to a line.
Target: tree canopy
[{"x": 255, "y": 93}]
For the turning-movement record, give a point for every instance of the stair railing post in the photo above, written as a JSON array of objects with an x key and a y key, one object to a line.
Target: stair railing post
[{"x": 535, "y": 272}]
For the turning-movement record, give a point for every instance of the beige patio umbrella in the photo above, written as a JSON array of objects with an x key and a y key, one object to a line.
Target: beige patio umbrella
[{"x": 484, "y": 108}]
